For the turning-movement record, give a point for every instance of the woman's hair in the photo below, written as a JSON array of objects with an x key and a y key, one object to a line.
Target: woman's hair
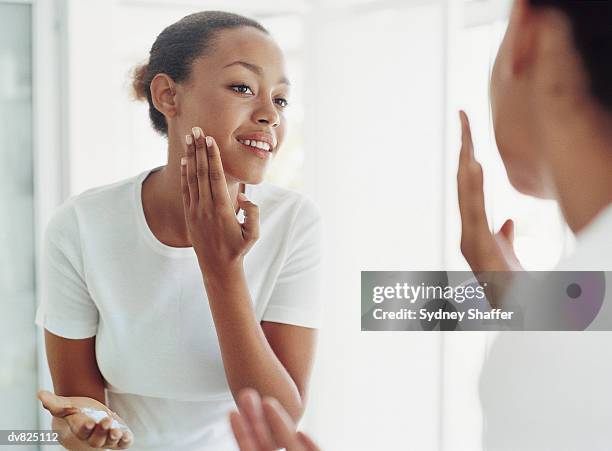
[
  {"x": 592, "y": 29},
  {"x": 175, "y": 49}
]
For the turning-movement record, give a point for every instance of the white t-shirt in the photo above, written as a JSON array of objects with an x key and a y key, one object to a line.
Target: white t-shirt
[
  {"x": 544, "y": 391},
  {"x": 106, "y": 274}
]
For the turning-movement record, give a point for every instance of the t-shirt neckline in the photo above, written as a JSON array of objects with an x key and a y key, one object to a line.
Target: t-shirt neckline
[{"x": 143, "y": 226}]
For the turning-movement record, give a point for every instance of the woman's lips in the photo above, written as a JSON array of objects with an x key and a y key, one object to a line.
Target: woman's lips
[
  {"x": 260, "y": 139},
  {"x": 263, "y": 145},
  {"x": 261, "y": 153}
]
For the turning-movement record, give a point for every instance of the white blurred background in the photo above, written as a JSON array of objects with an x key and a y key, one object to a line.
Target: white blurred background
[{"x": 374, "y": 139}]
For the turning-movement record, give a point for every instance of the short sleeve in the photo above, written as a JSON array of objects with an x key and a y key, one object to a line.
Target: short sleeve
[
  {"x": 296, "y": 297},
  {"x": 66, "y": 308}
]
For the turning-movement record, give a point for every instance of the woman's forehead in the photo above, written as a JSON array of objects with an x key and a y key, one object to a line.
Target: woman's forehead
[
  {"x": 246, "y": 48},
  {"x": 245, "y": 42}
]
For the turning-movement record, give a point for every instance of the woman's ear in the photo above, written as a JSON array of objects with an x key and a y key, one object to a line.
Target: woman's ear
[
  {"x": 163, "y": 95},
  {"x": 522, "y": 36}
]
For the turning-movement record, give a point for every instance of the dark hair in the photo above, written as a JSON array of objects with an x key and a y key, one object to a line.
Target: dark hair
[
  {"x": 592, "y": 29},
  {"x": 175, "y": 49}
]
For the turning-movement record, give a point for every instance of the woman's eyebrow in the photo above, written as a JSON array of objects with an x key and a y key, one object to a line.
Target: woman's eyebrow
[{"x": 255, "y": 69}]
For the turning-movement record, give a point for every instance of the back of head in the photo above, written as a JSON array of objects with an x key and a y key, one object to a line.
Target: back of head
[{"x": 591, "y": 22}]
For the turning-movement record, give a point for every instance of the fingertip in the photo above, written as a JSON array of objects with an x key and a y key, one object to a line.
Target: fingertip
[
  {"x": 197, "y": 132},
  {"x": 44, "y": 392},
  {"x": 306, "y": 440},
  {"x": 248, "y": 391},
  {"x": 271, "y": 403},
  {"x": 511, "y": 228},
  {"x": 126, "y": 440},
  {"x": 236, "y": 420},
  {"x": 248, "y": 395}
]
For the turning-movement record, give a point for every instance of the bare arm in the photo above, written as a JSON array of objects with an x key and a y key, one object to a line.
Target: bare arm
[
  {"x": 77, "y": 381},
  {"x": 74, "y": 372},
  {"x": 73, "y": 367},
  {"x": 274, "y": 359}
]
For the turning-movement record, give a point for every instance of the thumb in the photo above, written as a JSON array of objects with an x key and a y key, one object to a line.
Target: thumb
[
  {"x": 58, "y": 406},
  {"x": 505, "y": 241},
  {"x": 308, "y": 442},
  {"x": 250, "y": 226},
  {"x": 507, "y": 231}
]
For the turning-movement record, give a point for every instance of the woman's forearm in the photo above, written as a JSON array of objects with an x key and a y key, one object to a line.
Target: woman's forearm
[{"x": 248, "y": 359}]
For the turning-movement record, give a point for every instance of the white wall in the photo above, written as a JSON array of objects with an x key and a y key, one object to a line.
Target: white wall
[{"x": 374, "y": 159}]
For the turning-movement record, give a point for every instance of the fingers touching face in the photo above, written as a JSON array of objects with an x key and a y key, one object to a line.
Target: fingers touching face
[{"x": 202, "y": 175}]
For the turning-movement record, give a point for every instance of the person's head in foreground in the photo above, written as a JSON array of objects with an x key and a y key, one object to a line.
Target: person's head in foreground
[
  {"x": 552, "y": 113},
  {"x": 224, "y": 73},
  {"x": 551, "y": 100}
]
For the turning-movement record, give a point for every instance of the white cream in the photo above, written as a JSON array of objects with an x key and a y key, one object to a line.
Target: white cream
[{"x": 99, "y": 415}]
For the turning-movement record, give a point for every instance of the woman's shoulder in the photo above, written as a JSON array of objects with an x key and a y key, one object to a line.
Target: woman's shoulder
[{"x": 93, "y": 205}]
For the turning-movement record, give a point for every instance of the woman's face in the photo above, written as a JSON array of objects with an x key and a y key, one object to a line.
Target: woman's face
[
  {"x": 237, "y": 93},
  {"x": 514, "y": 114}
]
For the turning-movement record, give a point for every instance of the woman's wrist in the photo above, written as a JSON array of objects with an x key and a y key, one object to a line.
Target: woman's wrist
[{"x": 223, "y": 277}]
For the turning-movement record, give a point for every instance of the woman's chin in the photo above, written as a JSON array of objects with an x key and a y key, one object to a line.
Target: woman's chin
[
  {"x": 530, "y": 186},
  {"x": 254, "y": 180},
  {"x": 248, "y": 177}
]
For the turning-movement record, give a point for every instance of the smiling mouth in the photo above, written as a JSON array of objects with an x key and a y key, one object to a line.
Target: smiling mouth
[{"x": 261, "y": 145}]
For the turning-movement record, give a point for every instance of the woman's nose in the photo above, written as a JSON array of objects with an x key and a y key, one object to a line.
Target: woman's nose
[{"x": 267, "y": 114}]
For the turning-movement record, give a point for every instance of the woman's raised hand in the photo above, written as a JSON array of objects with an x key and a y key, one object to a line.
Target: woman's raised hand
[
  {"x": 483, "y": 250},
  {"x": 82, "y": 426},
  {"x": 266, "y": 426},
  {"x": 217, "y": 236}
]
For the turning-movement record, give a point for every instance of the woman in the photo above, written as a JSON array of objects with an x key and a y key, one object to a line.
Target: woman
[
  {"x": 552, "y": 112},
  {"x": 551, "y": 101},
  {"x": 156, "y": 290}
]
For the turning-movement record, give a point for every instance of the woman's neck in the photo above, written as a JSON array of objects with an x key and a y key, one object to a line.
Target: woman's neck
[
  {"x": 580, "y": 153},
  {"x": 163, "y": 202}
]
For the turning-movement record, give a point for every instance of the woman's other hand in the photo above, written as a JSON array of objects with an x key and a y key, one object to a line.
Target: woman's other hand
[
  {"x": 483, "y": 250},
  {"x": 218, "y": 238},
  {"x": 266, "y": 426},
  {"x": 92, "y": 435}
]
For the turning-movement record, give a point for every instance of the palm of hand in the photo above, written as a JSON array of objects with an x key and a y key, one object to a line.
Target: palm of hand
[{"x": 94, "y": 433}]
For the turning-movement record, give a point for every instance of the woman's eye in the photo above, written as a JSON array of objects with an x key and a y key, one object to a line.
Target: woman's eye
[
  {"x": 282, "y": 102},
  {"x": 242, "y": 89}
]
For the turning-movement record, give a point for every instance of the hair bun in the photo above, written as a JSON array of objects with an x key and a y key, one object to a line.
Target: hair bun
[{"x": 139, "y": 86}]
